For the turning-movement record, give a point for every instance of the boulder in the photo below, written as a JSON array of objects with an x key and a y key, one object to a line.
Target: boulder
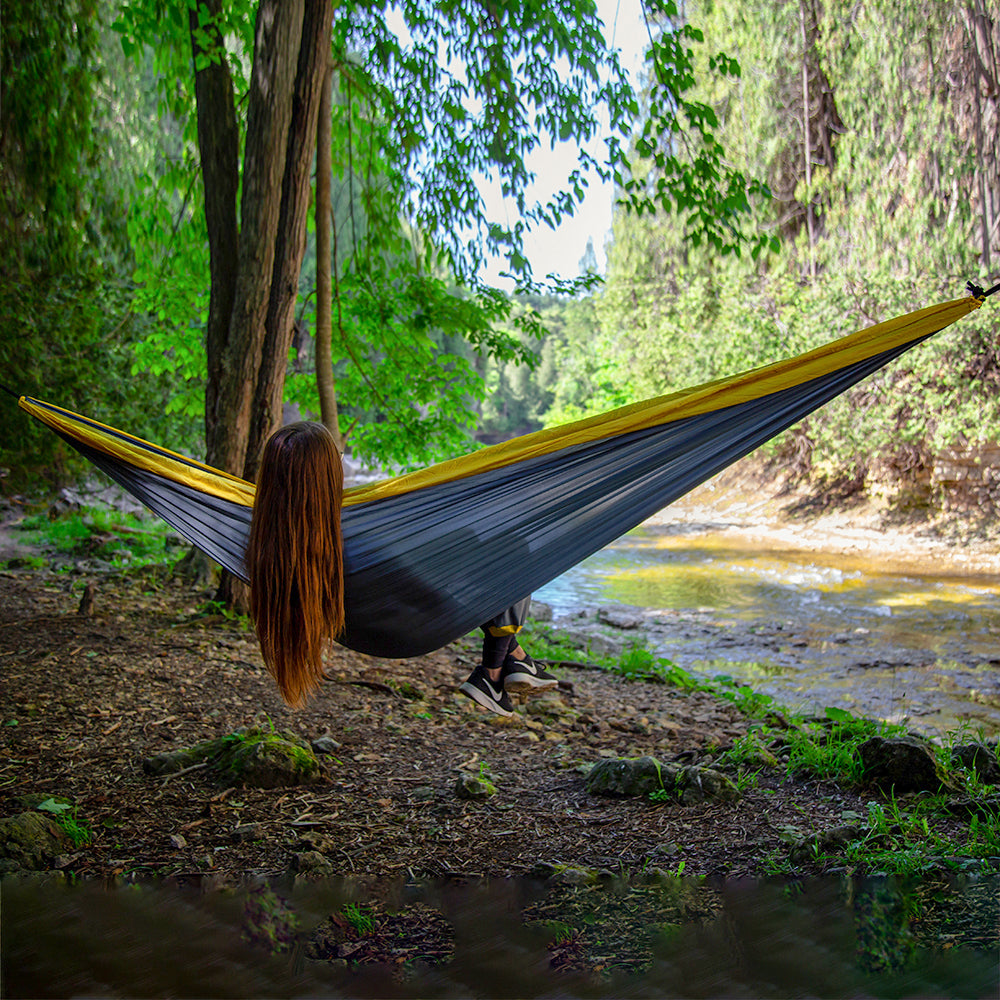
[
  {"x": 903, "y": 764},
  {"x": 623, "y": 778},
  {"x": 31, "y": 840},
  {"x": 699, "y": 784},
  {"x": 816, "y": 845},
  {"x": 260, "y": 758},
  {"x": 621, "y": 617},
  {"x": 469, "y": 786},
  {"x": 980, "y": 758},
  {"x": 643, "y": 776}
]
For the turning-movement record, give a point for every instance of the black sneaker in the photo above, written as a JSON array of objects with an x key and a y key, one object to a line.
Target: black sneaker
[
  {"x": 484, "y": 692},
  {"x": 526, "y": 675}
]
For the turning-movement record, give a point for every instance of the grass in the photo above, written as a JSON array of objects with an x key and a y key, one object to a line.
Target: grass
[
  {"x": 358, "y": 919},
  {"x": 911, "y": 835},
  {"x": 66, "y": 816},
  {"x": 122, "y": 541}
]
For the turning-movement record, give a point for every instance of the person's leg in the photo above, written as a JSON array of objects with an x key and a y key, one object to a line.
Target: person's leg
[
  {"x": 485, "y": 684},
  {"x": 520, "y": 672},
  {"x": 495, "y": 650}
]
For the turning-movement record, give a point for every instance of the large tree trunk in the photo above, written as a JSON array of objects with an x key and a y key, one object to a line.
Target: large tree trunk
[
  {"x": 255, "y": 270},
  {"x": 314, "y": 55},
  {"x": 324, "y": 265},
  {"x": 269, "y": 115}
]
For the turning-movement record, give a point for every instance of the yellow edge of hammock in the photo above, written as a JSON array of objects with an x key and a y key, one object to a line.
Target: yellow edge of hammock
[{"x": 633, "y": 417}]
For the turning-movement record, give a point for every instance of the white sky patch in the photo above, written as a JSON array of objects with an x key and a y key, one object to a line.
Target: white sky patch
[{"x": 561, "y": 250}]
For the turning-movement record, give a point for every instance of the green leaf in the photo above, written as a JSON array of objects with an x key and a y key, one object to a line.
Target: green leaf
[{"x": 50, "y": 805}]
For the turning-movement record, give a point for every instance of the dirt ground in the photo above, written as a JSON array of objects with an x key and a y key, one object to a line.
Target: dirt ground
[{"x": 86, "y": 698}]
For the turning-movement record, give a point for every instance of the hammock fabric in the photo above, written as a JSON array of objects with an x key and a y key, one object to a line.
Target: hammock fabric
[{"x": 431, "y": 555}]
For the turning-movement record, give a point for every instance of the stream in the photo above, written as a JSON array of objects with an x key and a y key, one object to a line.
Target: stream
[{"x": 914, "y": 641}]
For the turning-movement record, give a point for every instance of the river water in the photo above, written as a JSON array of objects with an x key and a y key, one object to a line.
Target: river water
[{"x": 912, "y": 640}]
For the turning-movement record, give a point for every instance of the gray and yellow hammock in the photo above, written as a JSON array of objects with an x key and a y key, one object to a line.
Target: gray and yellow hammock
[{"x": 431, "y": 555}]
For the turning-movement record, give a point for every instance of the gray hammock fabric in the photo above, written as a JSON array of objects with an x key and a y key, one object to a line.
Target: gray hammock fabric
[{"x": 432, "y": 555}]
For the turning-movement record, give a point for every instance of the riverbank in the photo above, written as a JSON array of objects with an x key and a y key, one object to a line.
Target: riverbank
[
  {"x": 90, "y": 698},
  {"x": 773, "y": 513}
]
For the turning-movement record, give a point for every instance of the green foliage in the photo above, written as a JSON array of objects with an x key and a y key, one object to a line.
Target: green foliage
[
  {"x": 74, "y": 132},
  {"x": 357, "y": 917},
  {"x": 66, "y": 816},
  {"x": 119, "y": 539},
  {"x": 895, "y": 228},
  {"x": 682, "y": 167}
]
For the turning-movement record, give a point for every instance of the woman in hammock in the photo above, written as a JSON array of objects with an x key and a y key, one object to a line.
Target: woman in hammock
[{"x": 295, "y": 564}]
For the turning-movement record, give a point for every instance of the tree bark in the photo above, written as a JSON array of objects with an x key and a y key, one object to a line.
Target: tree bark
[
  {"x": 269, "y": 114},
  {"x": 218, "y": 144},
  {"x": 324, "y": 265},
  {"x": 290, "y": 236}
]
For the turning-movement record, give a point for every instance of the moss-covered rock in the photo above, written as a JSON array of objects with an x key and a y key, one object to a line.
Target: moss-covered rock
[
  {"x": 469, "y": 786},
  {"x": 258, "y": 757},
  {"x": 625, "y": 778},
  {"x": 31, "y": 840},
  {"x": 645, "y": 776}
]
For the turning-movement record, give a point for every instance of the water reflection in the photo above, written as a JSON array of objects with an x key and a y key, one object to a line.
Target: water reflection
[
  {"x": 860, "y": 633},
  {"x": 652, "y": 936}
]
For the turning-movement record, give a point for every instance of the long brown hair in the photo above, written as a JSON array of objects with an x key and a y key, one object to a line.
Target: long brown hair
[{"x": 294, "y": 558}]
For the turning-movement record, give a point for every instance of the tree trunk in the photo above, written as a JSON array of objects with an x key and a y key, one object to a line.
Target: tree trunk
[
  {"x": 296, "y": 189},
  {"x": 324, "y": 265},
  {"x": 218, "y": 143},
  {"x": 269, "y": 115}
]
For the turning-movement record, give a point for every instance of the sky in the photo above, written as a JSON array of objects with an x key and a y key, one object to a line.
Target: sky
[{"x": 562, "y": 249}]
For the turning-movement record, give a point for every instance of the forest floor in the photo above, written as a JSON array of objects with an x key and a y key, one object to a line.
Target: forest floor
[{"x": 86, "y": 698}]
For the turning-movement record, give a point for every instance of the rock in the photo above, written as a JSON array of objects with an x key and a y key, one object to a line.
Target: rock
[
  {"x": 831, "y": 841},
  {"x": 626, "y": 778},
  {"x": 699, "y": 784},
  {"x": 469, "y": 786},
  {"x": 594, "y": 642},
  {"x": 574, "y": 877},
  {"x": 325, "y": 745},
  {"x": 271, "y": 761},
  {"x": 311, "y": 863},
  {"x": 32, "y": 840},
  {"x": 540, "y": 612},
  {"x": 619, "y": 617},
  {"x": 903, "y": 764},
  {"x": 260, "y": 758},
  {"x": 172, "y": 761},
  {"x": 248, "y": 832},
  {"x": 980, "y": 758}
]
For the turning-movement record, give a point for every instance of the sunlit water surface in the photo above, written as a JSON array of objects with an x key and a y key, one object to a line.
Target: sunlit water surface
[
  {"x": 831, "y": 937},
  {"x": 903, "y": 641}
]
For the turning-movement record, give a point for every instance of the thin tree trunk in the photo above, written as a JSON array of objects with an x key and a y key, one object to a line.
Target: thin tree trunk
[
  {"x": 979, "y": 77},
  {"x": 807, "y": 142},
  {"x": 296, "y": 190},
  {"x": 324, "y": 265},
  {"x": 218, "y": 144}
]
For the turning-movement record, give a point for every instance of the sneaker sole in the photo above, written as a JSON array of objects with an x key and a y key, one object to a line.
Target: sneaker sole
[
  {"x": 528, "y": 682},
  {"x": 481, "y": 699}
]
